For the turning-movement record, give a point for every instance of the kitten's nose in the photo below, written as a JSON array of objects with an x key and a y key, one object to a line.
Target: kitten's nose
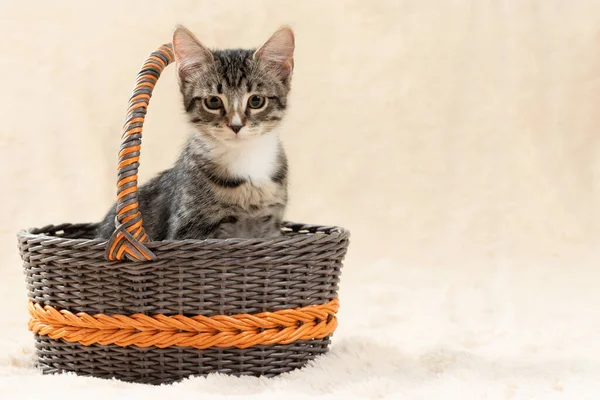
[{"x": 236, "y": 128}]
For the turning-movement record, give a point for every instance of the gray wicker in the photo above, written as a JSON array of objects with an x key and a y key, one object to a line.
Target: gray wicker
[
  {"x": 69, "y": 272},
  {"x": 65, "y": 268}
]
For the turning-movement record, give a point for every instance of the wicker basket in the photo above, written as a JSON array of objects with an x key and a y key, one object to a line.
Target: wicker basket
[{"x": 157, "y": 312}]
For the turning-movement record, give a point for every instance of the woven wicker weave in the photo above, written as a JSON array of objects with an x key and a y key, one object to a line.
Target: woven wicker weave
[{"x": 76, "y": 276}]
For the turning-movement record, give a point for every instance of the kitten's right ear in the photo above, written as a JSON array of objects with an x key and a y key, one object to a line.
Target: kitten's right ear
[
  {"x": 190, "y": 54},
  {"x": 277, "y": 53}
]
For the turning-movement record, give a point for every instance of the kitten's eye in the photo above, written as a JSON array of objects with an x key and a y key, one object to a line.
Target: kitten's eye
[
  {"x": 267, "y": 218},
  {"x": 213, "y": 103},
  {"x": 256, "y": 101}
]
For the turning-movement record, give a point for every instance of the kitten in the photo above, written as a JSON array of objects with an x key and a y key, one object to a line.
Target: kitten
[{"x": 231, "y": 177}]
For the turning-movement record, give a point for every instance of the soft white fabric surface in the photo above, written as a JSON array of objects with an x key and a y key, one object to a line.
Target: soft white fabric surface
[
  {"x": 512, "y": 329},
  {"x": 458, "y": 140}
]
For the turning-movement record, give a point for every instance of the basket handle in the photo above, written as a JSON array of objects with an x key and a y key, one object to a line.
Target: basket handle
[{"x": 127, "y": 241}]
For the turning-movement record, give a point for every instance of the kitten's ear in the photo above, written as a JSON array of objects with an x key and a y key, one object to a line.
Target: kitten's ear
[
  {"x": 277, "y": 53},
  {"x": 190, "y": 54}
]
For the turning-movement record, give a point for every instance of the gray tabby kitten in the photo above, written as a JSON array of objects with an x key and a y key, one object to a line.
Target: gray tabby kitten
[{"x": 231, "y": 178}]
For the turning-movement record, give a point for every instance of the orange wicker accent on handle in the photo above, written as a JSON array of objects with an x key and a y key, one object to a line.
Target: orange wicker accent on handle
[
  {"x": 240, "y": 330},
  {"x": 127, "y": 241}
]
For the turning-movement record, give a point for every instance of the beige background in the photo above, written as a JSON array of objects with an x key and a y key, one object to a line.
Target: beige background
[
  {"x": 437, "y": 131},
  {"x": 458, "y": 140}
]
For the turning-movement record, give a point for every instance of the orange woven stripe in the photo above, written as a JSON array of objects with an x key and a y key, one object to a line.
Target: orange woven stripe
[
  {"x": 148, "y": 76},
  {"x": 129, "y": 161},
  {"x": 166, "y": 50},
  {"x": 162, "y": 63},
  {"x": 124, "y": 247},
  {"x": 151, "y": 64},
  {"x": 139, "y": 85},
  {"x": 131, "y": 132},
  {"x": 134, "y": 226},
  {"x": 136, "y": 233},
  {"x": 241, "y": 330},
  {"x": 137, "y": 119},
  {"x": 133, "y": 120},
  {"x": 129, "y": 207},
  {"x": 144, "y": 96},
  {"x": 136, "y": 106},
  {"x": 115, "y": 242},
  {"x": 128, "y": 190},
  {"x": 126, "y": 180},
  {"x": 128, "y": 150},
  {"x": 128, "y": 218}
]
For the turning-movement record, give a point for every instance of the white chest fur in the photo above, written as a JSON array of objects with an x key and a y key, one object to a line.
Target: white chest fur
[{"x": 254, "y": 160}]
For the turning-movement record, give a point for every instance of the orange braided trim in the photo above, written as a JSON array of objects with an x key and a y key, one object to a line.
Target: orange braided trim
[{"x": 240, "y": 330}]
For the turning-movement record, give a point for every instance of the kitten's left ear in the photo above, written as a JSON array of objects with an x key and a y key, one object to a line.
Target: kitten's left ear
[{"x": 277, "y": 53}]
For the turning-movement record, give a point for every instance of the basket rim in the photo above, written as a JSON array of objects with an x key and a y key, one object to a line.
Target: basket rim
[{"x": 323, "y": 231}]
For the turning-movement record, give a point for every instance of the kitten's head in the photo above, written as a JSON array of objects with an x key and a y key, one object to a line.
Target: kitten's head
[{"x": 233, "y": 95}]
